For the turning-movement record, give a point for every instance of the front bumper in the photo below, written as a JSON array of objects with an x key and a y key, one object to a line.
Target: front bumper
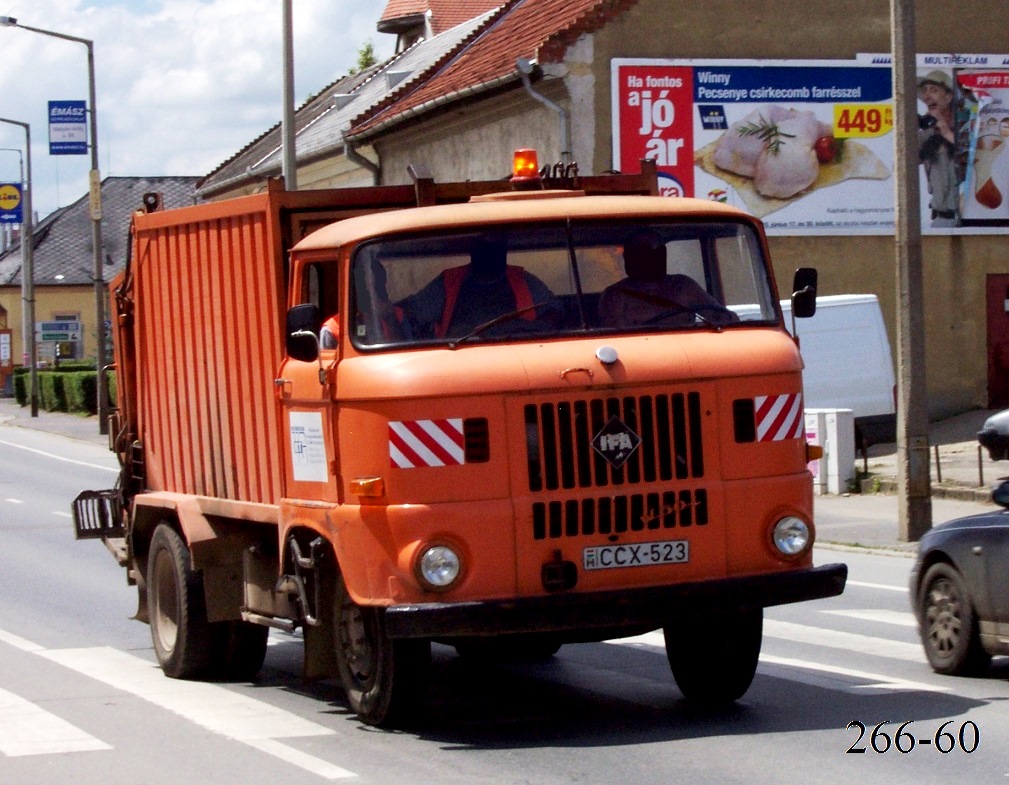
[{"x": 645, "y": 608}]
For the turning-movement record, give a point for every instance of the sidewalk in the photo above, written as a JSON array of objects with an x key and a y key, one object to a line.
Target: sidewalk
[
  {"x": 868, "y": 519},
  {"x": 75, "y": 426},
  {"x": 960, "y": 468}
]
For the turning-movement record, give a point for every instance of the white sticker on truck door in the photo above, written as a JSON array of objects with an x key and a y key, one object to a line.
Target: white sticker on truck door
[{"x": 308, "y": 447}]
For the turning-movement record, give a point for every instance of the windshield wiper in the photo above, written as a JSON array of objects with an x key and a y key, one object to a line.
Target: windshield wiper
[{"x": 505, "y": 317}]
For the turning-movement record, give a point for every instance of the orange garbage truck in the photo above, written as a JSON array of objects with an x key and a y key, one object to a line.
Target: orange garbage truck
[{"x": 499, "y": 416}]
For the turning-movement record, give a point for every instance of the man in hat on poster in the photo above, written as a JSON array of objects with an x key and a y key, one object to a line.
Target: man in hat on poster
[{"x": 937, "y": 147}]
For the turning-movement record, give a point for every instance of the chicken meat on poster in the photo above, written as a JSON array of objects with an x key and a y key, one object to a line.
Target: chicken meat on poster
[{"x": 777, "y": 154}]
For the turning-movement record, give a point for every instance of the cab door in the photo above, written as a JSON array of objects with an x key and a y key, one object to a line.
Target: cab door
[{"x": 306, "y": 388}]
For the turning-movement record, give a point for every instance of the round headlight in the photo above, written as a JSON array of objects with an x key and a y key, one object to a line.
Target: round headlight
[
  {"x": 791, "y": 535},
  {"x": 439, "y": 567}
]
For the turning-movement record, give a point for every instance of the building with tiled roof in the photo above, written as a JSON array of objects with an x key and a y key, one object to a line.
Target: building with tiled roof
[
  {"x": 414, "y": 20},
  {"x": 320, "y": 124},
  {"x": 63, "y": 259},
  {"x": 550, "y": 107}
]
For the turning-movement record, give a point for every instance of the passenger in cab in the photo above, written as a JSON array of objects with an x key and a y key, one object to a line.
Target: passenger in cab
[
  {"x": 461, "y": 299},
  {"x": 650, "y": 296}
]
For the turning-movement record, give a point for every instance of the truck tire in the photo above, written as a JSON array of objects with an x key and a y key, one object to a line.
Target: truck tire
[
  {"x": 385, "y": 679},
  {"x": 184, "y": 642},
  {"x": 241, "y": 649},
  {"x": 949, "y": 627},
  {"x": 714, "y": 658}
]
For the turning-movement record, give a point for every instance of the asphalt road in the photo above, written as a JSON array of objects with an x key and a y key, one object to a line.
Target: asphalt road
[{"x": 81, "y": 699}]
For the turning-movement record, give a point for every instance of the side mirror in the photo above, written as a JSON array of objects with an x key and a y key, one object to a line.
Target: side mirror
[
  {"x": 804, "y": 293},
  {"x": 301, "y": 331}
]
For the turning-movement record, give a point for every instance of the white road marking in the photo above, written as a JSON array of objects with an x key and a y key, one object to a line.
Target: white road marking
[
  {"x": 883, "y": 586},
  {"x": 898, "y": 618},
  {"x": 61, "y": 514},
  {"x": 25, "y": 729},
  {"x": 834, "y": 676},
  {"x": 874, "y": 681},
  {"x": 231, "y": 714},
  {"x": 846, "y": 641},
  {"x": 14, "y": 501},
  {"x": 59, "y": 457},
  {"x": 819, "y": 636},
  {"x": 19, "y": 643}
]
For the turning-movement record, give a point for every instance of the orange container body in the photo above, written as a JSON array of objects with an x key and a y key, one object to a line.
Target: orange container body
[{"x": 204, "y": 321}]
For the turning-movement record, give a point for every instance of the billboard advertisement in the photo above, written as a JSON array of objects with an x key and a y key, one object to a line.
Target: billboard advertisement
[{"x": 807, "y": 145}]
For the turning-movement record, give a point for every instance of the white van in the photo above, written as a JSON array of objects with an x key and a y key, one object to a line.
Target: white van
[{"x": 849, "y": 364}]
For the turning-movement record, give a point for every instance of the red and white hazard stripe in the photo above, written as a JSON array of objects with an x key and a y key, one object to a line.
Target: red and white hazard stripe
[
  {"x": 417, "y": 443},
  {"x": 779, "y": 417}
]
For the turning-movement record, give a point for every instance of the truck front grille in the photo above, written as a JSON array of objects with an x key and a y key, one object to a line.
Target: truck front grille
[
  {"x": 559, "y": 441},
  {"x": 618, "y": 514}
]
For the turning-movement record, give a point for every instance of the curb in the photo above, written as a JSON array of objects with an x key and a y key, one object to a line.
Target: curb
[{"x": 888, "y": 485}]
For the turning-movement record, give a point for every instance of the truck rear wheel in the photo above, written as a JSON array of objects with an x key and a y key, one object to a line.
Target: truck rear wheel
[
  {"x": 242, "y": 649},
  {"x": 183, "y": 639},
  {"x": 385, "y": 679},
  {"x": 714, "y": 658}
]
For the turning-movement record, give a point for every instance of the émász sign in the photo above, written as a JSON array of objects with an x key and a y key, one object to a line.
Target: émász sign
[{"x": 68, "y": 128}]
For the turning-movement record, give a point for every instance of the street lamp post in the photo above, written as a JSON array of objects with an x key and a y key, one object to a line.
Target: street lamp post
[
  {"x": 28, "y": 275},
  {"x": 95, "y": 198}
]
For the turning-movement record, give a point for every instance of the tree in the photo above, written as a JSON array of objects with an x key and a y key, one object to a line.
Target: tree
[{"x": 365, "y": 58}]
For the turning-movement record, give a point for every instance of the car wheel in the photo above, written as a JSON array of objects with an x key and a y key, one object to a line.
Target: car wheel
[{"x": 949, "y": 627}]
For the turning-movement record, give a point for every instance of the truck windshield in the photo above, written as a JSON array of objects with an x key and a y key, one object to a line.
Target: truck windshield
[{"x": 546, "y": 281}]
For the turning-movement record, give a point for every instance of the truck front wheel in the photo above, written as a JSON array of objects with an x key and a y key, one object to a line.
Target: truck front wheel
[
  {"x": 714, "y": 658},
  {"x": 385, "y": 679},
  {"x": 183, "y": 639}
]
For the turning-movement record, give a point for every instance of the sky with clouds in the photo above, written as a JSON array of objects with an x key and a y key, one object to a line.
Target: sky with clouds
[{"x": 182, "y": 85}]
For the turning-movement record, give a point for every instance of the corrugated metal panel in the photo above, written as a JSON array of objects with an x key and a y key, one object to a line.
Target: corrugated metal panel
[{"x": 208, "y": 300}]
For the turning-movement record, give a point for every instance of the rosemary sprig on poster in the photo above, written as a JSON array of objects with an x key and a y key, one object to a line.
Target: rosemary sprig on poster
[{"x": 768, "y": 132}]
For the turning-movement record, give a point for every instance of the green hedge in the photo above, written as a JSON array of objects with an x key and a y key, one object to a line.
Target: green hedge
[{"x": 73, "y": 387}]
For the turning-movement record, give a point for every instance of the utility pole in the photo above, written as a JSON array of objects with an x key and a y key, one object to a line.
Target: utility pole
[
  {"x": 914, "y": 504},
  {"x": 289, "y": 154}
]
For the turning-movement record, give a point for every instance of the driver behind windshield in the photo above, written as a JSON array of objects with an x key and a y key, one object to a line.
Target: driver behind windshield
[
  {"x": 649, "y": 295},
  {"x": 460, "y": 299}
]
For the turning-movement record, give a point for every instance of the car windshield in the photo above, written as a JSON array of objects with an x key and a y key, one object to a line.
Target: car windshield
[{"x": 547, "y": 281}]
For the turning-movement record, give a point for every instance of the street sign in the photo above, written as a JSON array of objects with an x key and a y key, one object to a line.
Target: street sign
[
  {"x": 68, "y": 128},
  {"x": 66, "y": 326},
  {"x": 57, "y": 331},
  {"x": 10, "y": 203}
]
